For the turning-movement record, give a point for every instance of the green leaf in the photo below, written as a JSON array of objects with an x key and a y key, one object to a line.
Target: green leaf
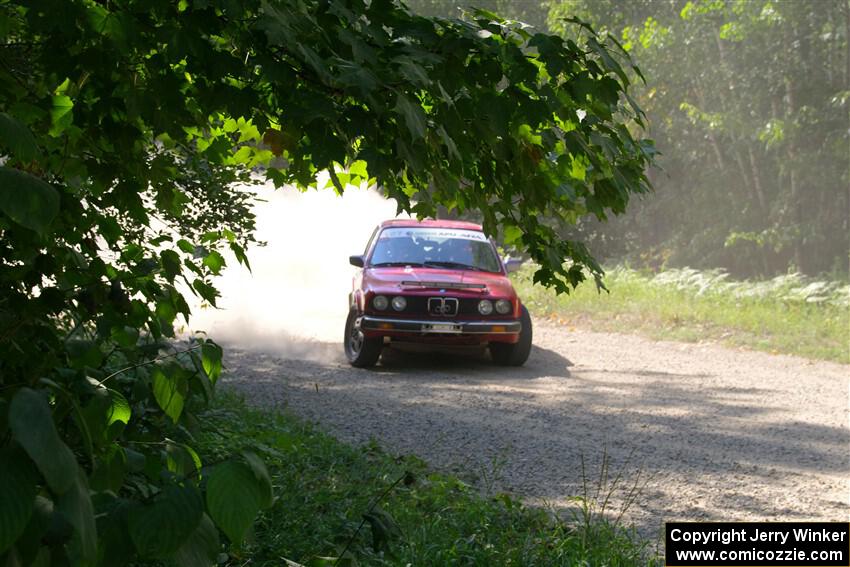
[
  {"x": 384, "y": 528},
  {"x": 84, "y": 353},
  {"x": 27, "y": 200},
  {"x": 170, "y": 261},
  {"x": 261, "y": 473},
  {"x": 413, "y": 116},
  {"x": 41, "y": 520},
  {"x": 241, "y": 257},
  {"x": 215, "y": 262},
  {"x": 76, "y": 506},
  {"x": 234, "y": 497},
  {"x": 211, "y": 355},
  {"x": 18, "y": 138},
  {"x": 106, "y": 415},
  {"x": 170, "y": 390},
  {"x": 160, "y": 528},
  {"x": 186, "y": 246},
  {"x": 119, "y": 410},
  {"x": 205, "y": 290},
  {"x": 609, "y": 62},
  {"x": 512, "y": 234},
  {"x": 202, "y": 547},
  {"x": 125, "y": 336},
  {"x": 181, "y": 459},
  {"x": 61, "y": 115},
  {"x": 135, "y": 460},
  {"x": 32, "y": 427},
  {"x": 116, "y": 546},
  {"x": 110, "y": 470},
  {"x": 17, "y": 496}
]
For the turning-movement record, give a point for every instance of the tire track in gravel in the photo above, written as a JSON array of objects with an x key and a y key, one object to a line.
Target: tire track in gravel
[{"x": 718, "y": 434}]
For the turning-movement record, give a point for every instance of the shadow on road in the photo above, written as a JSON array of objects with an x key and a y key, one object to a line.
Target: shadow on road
[
  {"x": 401, "y": 361},
  {"x": 714, "y": 449}
]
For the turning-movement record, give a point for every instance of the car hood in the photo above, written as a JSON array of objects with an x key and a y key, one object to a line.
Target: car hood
[{"x": 413, "y": 279}]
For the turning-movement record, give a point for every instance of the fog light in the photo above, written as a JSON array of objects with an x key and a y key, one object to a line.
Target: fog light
[
  {"x": 485, "y": 306},
  {"x": 399, "y": 303},
  {"x": 380, "y": 302},
  {"x": 503, "y": 306}
]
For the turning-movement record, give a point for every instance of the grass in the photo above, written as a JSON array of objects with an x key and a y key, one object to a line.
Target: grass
[
  {"x": 384, "y": 510},
  {"x": 790, "y": 314}
]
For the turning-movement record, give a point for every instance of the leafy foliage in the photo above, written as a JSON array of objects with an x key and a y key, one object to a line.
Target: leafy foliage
[
  {"x": 126, "y": 128},
  {"x": 748, "y": 103},
  {"x": 755, "y": 143}
]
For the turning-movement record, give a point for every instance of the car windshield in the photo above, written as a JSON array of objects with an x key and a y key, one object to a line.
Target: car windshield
[{"x": 435, "y": 247}]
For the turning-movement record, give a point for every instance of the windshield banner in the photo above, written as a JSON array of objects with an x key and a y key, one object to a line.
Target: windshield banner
[{"x": 433, "y": 233}]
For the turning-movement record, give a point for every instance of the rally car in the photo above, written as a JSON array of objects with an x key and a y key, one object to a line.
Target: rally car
[{"x": 436, "y": 282}]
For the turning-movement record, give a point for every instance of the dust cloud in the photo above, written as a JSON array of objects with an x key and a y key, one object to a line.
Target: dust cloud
[{"x": 294, "y": 301}]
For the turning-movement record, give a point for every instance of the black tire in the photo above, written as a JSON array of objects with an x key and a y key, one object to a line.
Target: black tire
[
  {"x": 361, "y": 351},
  {"x": 506, "y": 354}
]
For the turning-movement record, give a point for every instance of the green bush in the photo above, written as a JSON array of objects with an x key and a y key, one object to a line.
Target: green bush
[{"x": 125, "y": 127}]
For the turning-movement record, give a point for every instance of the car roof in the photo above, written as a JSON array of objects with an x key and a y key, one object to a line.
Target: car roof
[{"x": 434, "y": 223}]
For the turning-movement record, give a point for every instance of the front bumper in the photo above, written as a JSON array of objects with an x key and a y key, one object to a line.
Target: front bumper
[{"x": 389, "y": 326}]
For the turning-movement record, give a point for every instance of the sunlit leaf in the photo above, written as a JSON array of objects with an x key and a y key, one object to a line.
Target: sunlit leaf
[
  {"x": 170, "y": 387},
  {"x": 61, "y": 115}
]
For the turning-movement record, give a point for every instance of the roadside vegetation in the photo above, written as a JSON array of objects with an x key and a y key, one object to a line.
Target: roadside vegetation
[
  {"x": 789, "y": 314},
  {"x": 127, "y": 133},
  {"x": 377, "y": 509}
]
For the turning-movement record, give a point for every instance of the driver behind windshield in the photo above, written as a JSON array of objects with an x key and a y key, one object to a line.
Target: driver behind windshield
[{"x": 447, "y": 252}]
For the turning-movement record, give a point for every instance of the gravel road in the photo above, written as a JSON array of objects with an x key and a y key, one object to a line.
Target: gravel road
[{"x": 714, "y": 433}]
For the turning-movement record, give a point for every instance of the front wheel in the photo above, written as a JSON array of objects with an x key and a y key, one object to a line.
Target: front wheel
[
  {"x": 507, "y": 354},
  {"x": 360, "y": 350}
]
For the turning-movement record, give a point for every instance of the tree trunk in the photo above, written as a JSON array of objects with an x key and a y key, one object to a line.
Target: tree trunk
[
  {"x": 847, "y": 44},
  {"x": 748, "y": 183},
  {"x": 757, "y": 180},
  {"x": 795, "y": 205}
]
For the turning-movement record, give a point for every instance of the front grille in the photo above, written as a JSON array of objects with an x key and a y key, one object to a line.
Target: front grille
[
  {"x": 417, "y": 305},
  {"x": 442, "y": 306},
  {"x": 469, "y": 307}
]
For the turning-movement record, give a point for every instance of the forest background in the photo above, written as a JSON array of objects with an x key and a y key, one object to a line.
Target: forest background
[{"x": 749, "y": 104}]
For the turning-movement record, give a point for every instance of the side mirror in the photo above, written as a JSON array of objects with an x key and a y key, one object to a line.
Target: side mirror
[
  {"x": 512, "y": 264},
  {"x": 356, "y": 261}
]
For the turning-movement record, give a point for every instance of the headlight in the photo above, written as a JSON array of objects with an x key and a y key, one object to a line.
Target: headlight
[
  {"x": 399, "y": 303},
  {"x": 485, "y": 306},
  {"x": 380, "y": 302},
  {"x": 503, "y": 306}
]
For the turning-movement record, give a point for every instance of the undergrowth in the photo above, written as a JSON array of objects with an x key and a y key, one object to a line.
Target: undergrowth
[
  {"x": 341, "y": 505},
  {"x": 789, "y": 314}
]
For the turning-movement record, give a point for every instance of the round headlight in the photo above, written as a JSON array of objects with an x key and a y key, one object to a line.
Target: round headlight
[
  {"x": 380, "y": 302},
  {"x": 485, "y": 306},
  {"x": 503, "y": 306},
  {"x": 399, "y": 303}
]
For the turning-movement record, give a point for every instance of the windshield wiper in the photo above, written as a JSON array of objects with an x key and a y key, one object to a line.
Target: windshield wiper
[
  {"x": 456, "y": 265},
  {"x": 397, "y": 265}
]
